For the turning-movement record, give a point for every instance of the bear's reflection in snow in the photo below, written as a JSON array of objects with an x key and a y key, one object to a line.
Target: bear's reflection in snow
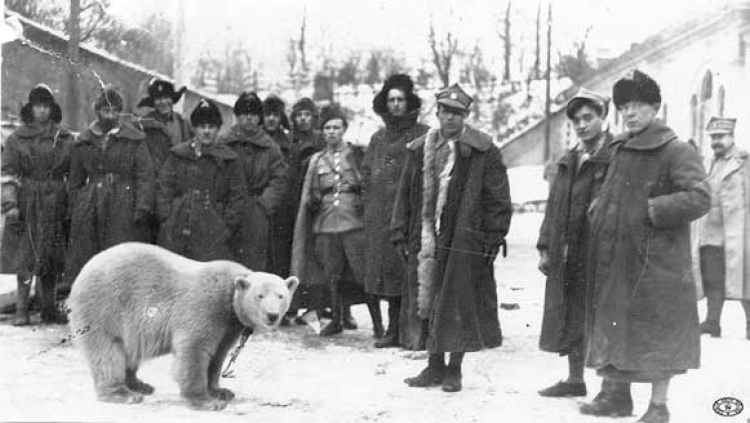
[{"x": 141, "y": 301}]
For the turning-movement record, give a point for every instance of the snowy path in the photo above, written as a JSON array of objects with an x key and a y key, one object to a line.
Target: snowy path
[{"x": 294, "y": 376}]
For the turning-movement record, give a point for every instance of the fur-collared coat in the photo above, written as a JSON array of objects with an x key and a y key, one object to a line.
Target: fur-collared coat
[
  {"x": 644, "y": 318},
  {"x": 381, "y": 170},
  {"x": 111, "y": 188},
  {"x": 36, "y": 162},
  {"x": 265, "y": 179},
  {"x": 564, "y": 236},
  {"x": 735, "y": 199},
  {"x": 199, "y": 201},
  {"x": 455, "y": 280}
]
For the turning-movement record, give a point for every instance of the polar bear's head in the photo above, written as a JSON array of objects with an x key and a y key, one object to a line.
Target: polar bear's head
[{"x": 261, "y": 299}]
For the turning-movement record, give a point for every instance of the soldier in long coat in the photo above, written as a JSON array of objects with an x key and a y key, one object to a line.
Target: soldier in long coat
[
  {"x": 264, "y": 170},
  {"x": 329, "y": 244},
  {"x": 564, "y": 238},
  {"x": 455, "y": 181},
  {"x": 276, "y": 124},
  {"x": 644, "y": 323},
  {"x": 201, "y": 192},
  {"x": 723, "y": 235},
  {"x": 111, "y": 186},
  {"x": 36, "y": 162},
  {"x": 399, "y": 107}
]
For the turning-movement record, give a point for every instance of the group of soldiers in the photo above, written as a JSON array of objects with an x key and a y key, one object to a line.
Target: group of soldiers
[
  {"x": 416, "y": 218},
  {"x": 632, "y": 226}
]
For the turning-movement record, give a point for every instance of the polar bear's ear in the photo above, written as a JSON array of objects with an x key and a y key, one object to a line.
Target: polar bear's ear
[
  {"x": 292, "y": 283},
  {"x": 242, "y": 282}
]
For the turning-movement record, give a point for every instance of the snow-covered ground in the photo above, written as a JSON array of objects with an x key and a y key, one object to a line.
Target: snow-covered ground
[{"x": 295, "y": 376}]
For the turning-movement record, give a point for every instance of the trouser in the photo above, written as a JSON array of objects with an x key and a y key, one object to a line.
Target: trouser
[{"x": 713, "y": 273}]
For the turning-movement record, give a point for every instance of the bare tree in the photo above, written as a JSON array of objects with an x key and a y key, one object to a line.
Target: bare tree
[
  {"x": 504, "y": 33},
  {"x": 536, "y": 71},
  {"x": 576, "y": 66},
  {"x": 302, "y": 43},
  {"x": 443, "y": 52}
]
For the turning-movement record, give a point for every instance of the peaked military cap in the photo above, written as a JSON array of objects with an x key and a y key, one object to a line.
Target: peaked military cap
[
  {"x": 721, "y": 125},
  {"x": 454, "y": 97}
]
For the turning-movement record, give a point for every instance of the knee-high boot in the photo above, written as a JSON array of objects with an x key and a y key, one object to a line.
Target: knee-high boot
[
  {"x": 391, "y": 335},
  {"x": 49, "y": 312},
  {"x": 337, "y": 310},
  {"x": 22, "y": 301},
  {"x": 373, "y": 306}
]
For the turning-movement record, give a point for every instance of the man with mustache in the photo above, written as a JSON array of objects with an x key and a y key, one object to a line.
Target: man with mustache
[{"x": 724, "y": 235}]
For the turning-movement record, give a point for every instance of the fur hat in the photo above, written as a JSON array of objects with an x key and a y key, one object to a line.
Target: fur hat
[
  {"x": 248, "y": 103},
  {"x": 636, "y": 86},
  {"x": 305, "y": 103},
  {"x": 399, "y": 81},
  {"x": 161, "y": 88},
  {"x": 274, "y": 105},
  {"x": 206, "y": 112},
  {"x": 330, "y": 112},
  {"x": 41, "y": 94},
  {"x": 109, "y": 97}
]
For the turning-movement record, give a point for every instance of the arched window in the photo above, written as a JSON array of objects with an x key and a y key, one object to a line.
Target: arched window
[
  {"x": 707, "y": 87},
  {"x": 720, "y": 101}
]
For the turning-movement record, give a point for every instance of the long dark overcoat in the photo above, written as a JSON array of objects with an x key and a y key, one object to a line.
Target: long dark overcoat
[
  {"x": 265, "y": 181},
  {"x": 564, "y": 236},
  {"x": 644, "y": 316},
  {"x": 111, "y": 182},
  {"x": 36, "y": 159},
  {"x": 381, "y": 171},
  {"x": 463, "y": 316},
  {"x": 199, "y": 201}
]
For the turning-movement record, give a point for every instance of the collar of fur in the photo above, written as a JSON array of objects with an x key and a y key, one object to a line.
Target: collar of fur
[
  {"x": 427, "y": 264},
  {"x": 471, "y": 137}
]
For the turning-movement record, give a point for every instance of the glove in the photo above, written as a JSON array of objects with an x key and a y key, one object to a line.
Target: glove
[
  {"x": 543, "y": 262},
  {"x": 491, "y": 251}
]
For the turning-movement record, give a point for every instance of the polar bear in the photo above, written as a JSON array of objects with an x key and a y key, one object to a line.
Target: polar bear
[{"x": 135, "y": 301}]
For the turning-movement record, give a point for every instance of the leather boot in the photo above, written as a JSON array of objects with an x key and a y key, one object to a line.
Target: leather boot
[
  {"x": 656, "y": 413},
  {"x": 390, "y": 339},
  {"x": 612, "y": 404},
  {"x": 48, "y": 309},
  {"x": 373, "y": 306},
  {"x": 337, "y": 312},
  {"x": 452, "y": 380},
  {"x": 22, "y": 301},
  {"x": 712, "y": 328},
  {"x": 432, "y": 375}
]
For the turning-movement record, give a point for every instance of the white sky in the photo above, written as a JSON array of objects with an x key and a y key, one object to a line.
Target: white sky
[{"x": 346, "y": 25}]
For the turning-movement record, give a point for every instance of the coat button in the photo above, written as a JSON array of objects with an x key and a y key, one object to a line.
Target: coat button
[
  {"x": 336, "y": 202},
  {"x": 99, "y": 185},
  {"x": 186, "y": 232}
]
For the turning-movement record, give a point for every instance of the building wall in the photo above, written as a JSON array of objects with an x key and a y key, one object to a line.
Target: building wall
[
  {"x": 42, "y": 59},
  {"x": 698, "y": 66}
]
